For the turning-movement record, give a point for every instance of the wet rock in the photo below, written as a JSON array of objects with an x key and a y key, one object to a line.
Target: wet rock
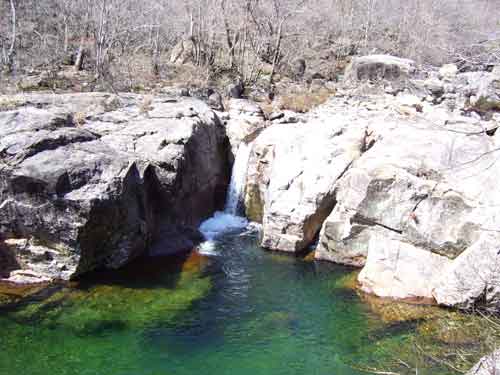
[
  {"x": 98, "y": 193},
  {"x": 391, "y": 311}
]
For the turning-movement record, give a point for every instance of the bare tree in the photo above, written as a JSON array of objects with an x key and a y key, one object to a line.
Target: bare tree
[{"x": 9, "y": 52}]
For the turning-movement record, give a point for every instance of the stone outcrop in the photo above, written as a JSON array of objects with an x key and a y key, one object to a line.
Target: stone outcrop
[
  {"x": 413, "y": 210},
  {"x": 398, "y": 269},
  {"x": 291, "y": 175},
  {"x": 94, "y": 180},
  {"x": 402, "y": 185},
  {"x": 379, "y": 67},
  {"x": 244, "y": 120},
  {"x": 488, "y": 365}
]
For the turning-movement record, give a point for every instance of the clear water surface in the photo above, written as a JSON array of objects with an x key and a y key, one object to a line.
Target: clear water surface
[{"x": 240, "y": 311}]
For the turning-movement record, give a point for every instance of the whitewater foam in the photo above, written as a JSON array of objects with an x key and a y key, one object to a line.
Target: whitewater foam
[
  {"x": 228, "y": 221},
  {"x": 222, "y": 223}
]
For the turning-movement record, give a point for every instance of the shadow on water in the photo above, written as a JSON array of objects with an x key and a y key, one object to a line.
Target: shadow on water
[
  {"x": 241, "y": 310},
  {"x": 145, "y": 293},
  {"x": 147, "y": 272}
]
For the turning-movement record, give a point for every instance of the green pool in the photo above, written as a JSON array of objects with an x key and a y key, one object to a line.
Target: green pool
[{"x": 240, "y": 311}]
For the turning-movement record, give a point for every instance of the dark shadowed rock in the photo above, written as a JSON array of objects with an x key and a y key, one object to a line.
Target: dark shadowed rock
[
  {"x": 379, "y": 67},
  {"x": 236, "y": 90},
  {"x": 298, "y": 68},
  {"x": 98, "y": 192}
]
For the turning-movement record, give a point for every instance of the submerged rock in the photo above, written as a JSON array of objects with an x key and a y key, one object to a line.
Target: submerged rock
[
  {"x": 122, "y": 299},
  {"x": 93, "y": 180}
]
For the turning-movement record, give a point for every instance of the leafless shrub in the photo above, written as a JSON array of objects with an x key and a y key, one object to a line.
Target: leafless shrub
[
  {"x": 80, "y": 118},
  {"x": 304, "y": 101},
  {"x": 249, "y": 37},
  {"x": 146, "y": 106}
]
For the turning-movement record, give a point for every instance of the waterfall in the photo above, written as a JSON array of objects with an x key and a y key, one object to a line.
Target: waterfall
[
  {"x": 229, "y": 221},
  {"x": 238, "y": 179}
]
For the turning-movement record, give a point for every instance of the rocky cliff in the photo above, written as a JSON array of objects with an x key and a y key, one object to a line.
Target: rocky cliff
[
  {"x": 94, "y": 180},
  {"x": 400, "y": 179}
]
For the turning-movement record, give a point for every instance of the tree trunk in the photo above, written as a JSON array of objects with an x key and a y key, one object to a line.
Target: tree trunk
[
  {"x": 9, "y": 55},
  {"x": 80, "y": 57},
  {"x": 277, "y": 49}
]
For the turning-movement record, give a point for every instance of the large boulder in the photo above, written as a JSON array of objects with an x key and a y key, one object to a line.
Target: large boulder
[
  {"x": 474, "y": 277},
  {"x": 291, "y": 176},
  {"x": 413, "y": 211},
  {"x": 398, "y": 269},
  {"x": 94, "y": 180},
  {"x": 379, "y": 67},
  {"x": 488, "y": 365},
  {"x": 245, "y": 119},
  {"x": 480, "y": 90}
]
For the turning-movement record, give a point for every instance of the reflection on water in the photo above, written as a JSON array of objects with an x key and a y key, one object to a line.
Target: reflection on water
[{"x": 245, "y": 311}]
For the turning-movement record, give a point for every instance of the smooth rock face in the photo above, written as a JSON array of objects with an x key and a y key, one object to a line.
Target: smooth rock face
[
  {"x": 397, "y": 269},
  {"x": 92, "y": 180},
  {"x": 488, "y": 365},
  {"x": 413, "y": 188},
  {"x": 474, "y": 276},
  {"x": 378, "y": 67},
  {"x": 244, "y": 122},
  {"x": 291, "y": 175},
  {"x": 414, "y": 207}
]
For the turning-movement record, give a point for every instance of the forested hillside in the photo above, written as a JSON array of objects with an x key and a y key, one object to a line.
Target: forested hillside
[{"x": 248, "y": 37}]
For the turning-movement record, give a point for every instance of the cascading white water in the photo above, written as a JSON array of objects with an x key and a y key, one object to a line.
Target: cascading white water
[
  {"x": 238, "y": 179},
  {"x": 228, "y": 220}
]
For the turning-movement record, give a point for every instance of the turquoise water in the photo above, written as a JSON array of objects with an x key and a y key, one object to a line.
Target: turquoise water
[{"x": 244, "y": 311}]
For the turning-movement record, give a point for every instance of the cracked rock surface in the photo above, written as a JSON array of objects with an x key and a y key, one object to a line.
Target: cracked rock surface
[
  {"x": 406, "y": 189},
  {"x": 94, "y": 180}
]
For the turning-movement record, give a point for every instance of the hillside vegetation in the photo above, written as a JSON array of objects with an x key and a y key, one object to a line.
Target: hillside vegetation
[{"x": 126, "y": 40}]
